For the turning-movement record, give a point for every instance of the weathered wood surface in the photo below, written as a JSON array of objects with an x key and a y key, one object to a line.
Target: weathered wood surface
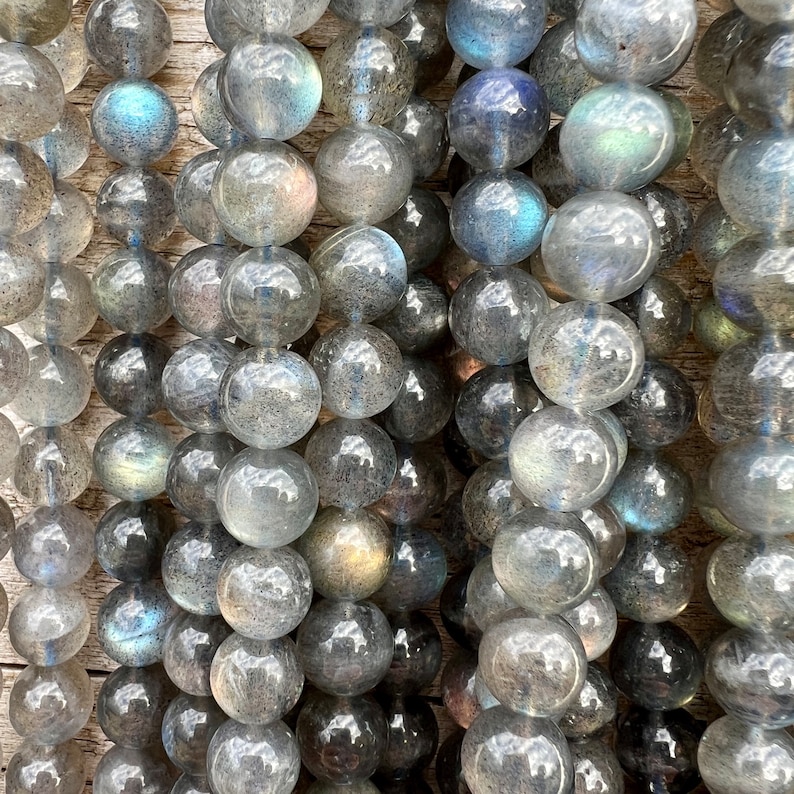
[{"x": 193, "y": 50}]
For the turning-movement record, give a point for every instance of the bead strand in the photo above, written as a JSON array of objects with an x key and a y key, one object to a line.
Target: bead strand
[{"x": 747, "y": 407}]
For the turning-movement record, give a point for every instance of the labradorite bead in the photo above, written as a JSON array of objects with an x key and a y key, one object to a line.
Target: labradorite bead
[
  {"x": 188, "y": 650},
  {"x": 26, "y": 188},
  {"x": 65, "y": 147},
  {"x": 188, "y": 725}
]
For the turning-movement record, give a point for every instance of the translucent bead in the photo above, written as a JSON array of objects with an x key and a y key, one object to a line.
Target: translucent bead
[
  {"x": 291, "y": 18},
  {"x": 31, "y": 97},
  {"x": 594, "y": 707},
  {"x": 131, "y": 704},
  {"x": 130, "y": 289},
  {"x": 751, "y": 675},
  {"x": 368, "y": 75},
  {"x": 420, "y": 227},
  {"x": 423, "y": 31},
  {"x": 756, "y": 75},
  {"x": 68, "y": 54},
  {"x": 487, "y": 602},
  {"x": 35, "y": 23},
  {"x": 53, "y": 466},
  {"x": 353, "y": 460},
  {"x": 362, "y": 12},
  {"x": 274, "y": 483},
  {"x": 457, "y": 691},
  {"x": 128, "y": 38},
  {"x": 628, "y": 133},
  {"x": 191, "y": 383},
  {"x": 768, "y": 11},
  {"x": 126, "y": 769},
  {"x": 345, "y": 648},
  {"x": 498, "y": 118},
  {"x": 253, "y": 759},
  {"x": 132, "y": 621},
  {"x": 734, "y": 758},
  {"x": 498, "y": 217},
  {"x": 194, "y": 290},
  {"x": 66, "y": 312},
  {"x": 349, "y": 553},
  {"x": 546, "y": 561},
  {"x": 652, "y": 493},
  {"x": 193, "y": 473},
  {"x": 27, "y": 188},
  {"x": 755, "y": 183},
  {"x": 136, "y": 206},
  {"x": 715, "y": 233},
  {"x": 716, "y": 48},
  {"x": 422, "y": 405},
  {"x": 412, "y": 740},
  {"x": 752, "y": 284},
  {"x": 269, "y": 86},
  {"x": 364, "y": 173},
  {"x": 6, "y": 527},
  {"x": 9, "y": 447},
  {"x": 50, "y": 705},
  {"x": 418, "y": 571},
  {"x": 595, "y": 621},
  {"x": 563, "y": 460},
  {"x": 131, "y": 458},
  {"x": 128, "y": 373},
  {"x": 515, "y": 659},
  {"x": 256, "y": 681},
  {"x": 264, "y": 193},
  {"x": 683, "y": 128},
  {"x": 341, "y": 740},
  {"x": 59, "y": 768},
  {"x": 419, "y": 320},
  {"x": 755, "y": 471},
  {"x": 494, "y": 311},
  {"x": 614, "y": 355},
  {"x": 360, "y": 370},
  {"x": 130, "y": 539},
  {"x": 21, "y": 282},
  {"x": 205, "y": 103},
  {"x": 53, "y": 547},
  {"x": 709, "y": 512},
  {"x": 492, "y": 404},
  {"x": 596, "y": 769},
  {"x": 673, "y": 220},
  {"x": 223, "y": 26},
  {"x": 713, "y": 330},
  {"x": 188, "y": 726},
  {"x": 134, "y": 121},
  {"x": 720, "y": 132},
  {"x": 656, "y": 665},
  {"x": 652, "y": 582},
  {"x": 550, "y": 172},
  {"x": 417, "y": 654},
  {"x": 49, "y": 626},
  {"x": 747, "y": 581},
  {"x": 671, "y": 762},
  {"x": 643, "y": 43},
  {"x": 417, "y": 490},
  {"x": 485, "y": 35},
  {"x": 269, "y": 398},
  {"x": 191, "y": 784},
  {"x": 270, "y": 296},
  {"x": 662, "y": 313},
  {"x": 362, "y": 273},
  {"x": 490, "y": 498},
  {"x": 750, "y": 386},
  {"x": 190, "y": 644},
  {"x": 14, "y": 365},
  {"x": 422, "y": 126},
  {"x": 264, "y": 593},
  {"x": 504, "y": 751},
  {"x": 608, "y": 531}
]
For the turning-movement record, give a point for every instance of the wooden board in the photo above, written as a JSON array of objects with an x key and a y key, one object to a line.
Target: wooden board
[{"x": 193, "y": 51}]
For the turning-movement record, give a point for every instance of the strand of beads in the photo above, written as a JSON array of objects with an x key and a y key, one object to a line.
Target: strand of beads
[
  {"x": 364, "y": 176},
  {"x": 52, "y": 224},
  {"x": 647, "y": 231},
  {"x": 264, "y": 194},
  {"x": 748, "y": 409},
  {"x": 135, "y": 123}
]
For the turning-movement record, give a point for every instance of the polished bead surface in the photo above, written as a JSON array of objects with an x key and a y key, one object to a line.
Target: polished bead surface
[
  {"x": 14, "y": 365},
  {"x": 26, "y": 188},
  {"x": 594, "y": 707},
  {"x": 490, "y": 497},
  {"x": 595, "y": 621},
  {"x": 256, "y": 681},
  {"x": 65, "y": 147},
  {"x": 264, "y": 593},
  {"x": 124, "y": 768},
  {"x": 128, "y": 38},
  {"x": 188, "y": 725},
  {"x": 57, "y": 768}
]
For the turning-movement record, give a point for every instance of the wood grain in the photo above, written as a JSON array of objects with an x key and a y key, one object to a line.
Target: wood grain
[{"x": 193, "y": 51}]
